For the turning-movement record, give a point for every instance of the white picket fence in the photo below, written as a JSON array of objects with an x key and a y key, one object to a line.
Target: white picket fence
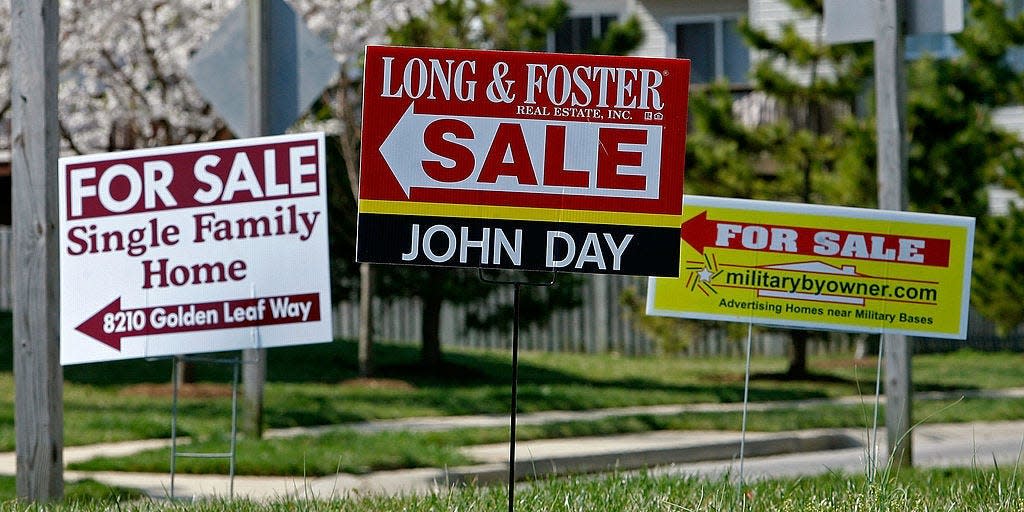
[{"x": 601, "y": 325}]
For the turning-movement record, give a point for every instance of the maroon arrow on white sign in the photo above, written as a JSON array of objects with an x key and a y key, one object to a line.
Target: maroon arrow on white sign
[{"x": 113, "y": 323}]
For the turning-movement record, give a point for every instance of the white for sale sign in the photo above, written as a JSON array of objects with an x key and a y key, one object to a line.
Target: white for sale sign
[{"x": 194, "y": 248}]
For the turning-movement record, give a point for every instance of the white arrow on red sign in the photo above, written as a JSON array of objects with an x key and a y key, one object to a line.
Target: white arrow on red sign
[
  {"x": 701, "y": 232},
  {"x": 113, "y": 323},
  {"x": 538, "y": 156}
]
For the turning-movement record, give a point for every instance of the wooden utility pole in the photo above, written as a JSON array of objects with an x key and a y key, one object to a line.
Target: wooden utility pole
[
  {"x": 254, "y": 361},
  {"x": 890, "y": 97},
  {"x": 38, "y": 378}
]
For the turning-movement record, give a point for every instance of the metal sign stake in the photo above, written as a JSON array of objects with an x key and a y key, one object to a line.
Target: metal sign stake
[
  {"x": 515, "y": 393},
  {"x": 516, "y": 298},
  {"x": 232, "y": 453}
]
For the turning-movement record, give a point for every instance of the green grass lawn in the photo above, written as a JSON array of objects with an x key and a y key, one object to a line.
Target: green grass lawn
[
  {"x": 970, "y": 489},
  {"x": 86, "y": 493},
  {"x": 316, "y": 385},
  {"x": 350, "y": 452},
  {"x": 991, "y": 490}
]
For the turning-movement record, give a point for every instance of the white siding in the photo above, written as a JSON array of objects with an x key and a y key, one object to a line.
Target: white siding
[
  {"x": 771, "y": 15},
  {"x": 1010, "y": 119},
  {"x": 999, "y": 199},
  {"x": 581, "y": 7},
  {"x": 655, "y": 41}
]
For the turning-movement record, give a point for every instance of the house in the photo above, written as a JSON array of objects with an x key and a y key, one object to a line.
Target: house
[{"x": 704, "y": 31}]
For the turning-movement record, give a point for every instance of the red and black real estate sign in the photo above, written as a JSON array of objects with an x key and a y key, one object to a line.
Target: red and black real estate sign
[{"x": 525, "y": 161}]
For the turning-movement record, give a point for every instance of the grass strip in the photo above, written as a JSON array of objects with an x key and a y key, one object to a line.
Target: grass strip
[
  {"x": 316, "y": 385},
  {"x": 126, "y": 411},
  {"x": 344, "y": 451},
  {"x": 995, "y": 490},
  {"x": 86, "y": 493},
  {"x": 347, "y": 451}
]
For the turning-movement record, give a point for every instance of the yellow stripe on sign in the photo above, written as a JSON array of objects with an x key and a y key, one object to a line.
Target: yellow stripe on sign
[{"x": 517, "y": 213}]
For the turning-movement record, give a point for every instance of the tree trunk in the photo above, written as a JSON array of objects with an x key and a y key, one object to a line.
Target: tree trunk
[
  {"x": 430, "y": 330},
  {"x": 254, "y": 376},
  {"x": 346, "y": 109},
  {"x": 860, "y": 350},
  {"x": 186, "y": 373},
  {"x": 798, "y": 358},
  {"x": 365, "y": 320}
]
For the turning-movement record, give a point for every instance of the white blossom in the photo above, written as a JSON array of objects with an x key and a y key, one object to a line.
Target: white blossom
[
  {"x": 123, "y": 79},
  {"x": 349, "y": 25}
]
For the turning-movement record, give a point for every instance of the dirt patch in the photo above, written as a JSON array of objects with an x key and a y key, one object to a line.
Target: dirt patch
[
  {"x": 866, "y": 362},
  {"x": 722, "y": 378},
  {"x": 196, "y": 390},
  {"x": 395, "y": 384}
]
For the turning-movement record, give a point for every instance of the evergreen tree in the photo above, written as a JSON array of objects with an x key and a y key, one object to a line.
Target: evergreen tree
[{"x": 957, "y": 150}]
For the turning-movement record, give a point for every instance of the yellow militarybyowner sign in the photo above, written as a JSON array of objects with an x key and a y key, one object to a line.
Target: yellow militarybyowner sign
[{"x": 820, "y": 267}]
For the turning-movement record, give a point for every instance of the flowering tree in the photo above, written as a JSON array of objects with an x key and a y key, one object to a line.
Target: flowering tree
[
  {"x": 123, "y": 64},
  {"x": 124, "y": 83},
  {"x": 123, "y": 69},
  {"x": 131, "y": 90},
  {"x": 128, "y": 90}
]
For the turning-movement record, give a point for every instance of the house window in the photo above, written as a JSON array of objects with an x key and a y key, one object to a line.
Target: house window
[
  {"x": 577, "y": 32},
  {"x": 715, "y": 49}
]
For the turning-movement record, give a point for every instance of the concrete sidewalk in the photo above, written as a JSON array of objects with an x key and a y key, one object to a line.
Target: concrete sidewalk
[
  {"x": 662, "y": 453},
  {"x": 800, "y": 452},
  {"x": 534, "y": 459},
  {"x": 440, "y": 423}
]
